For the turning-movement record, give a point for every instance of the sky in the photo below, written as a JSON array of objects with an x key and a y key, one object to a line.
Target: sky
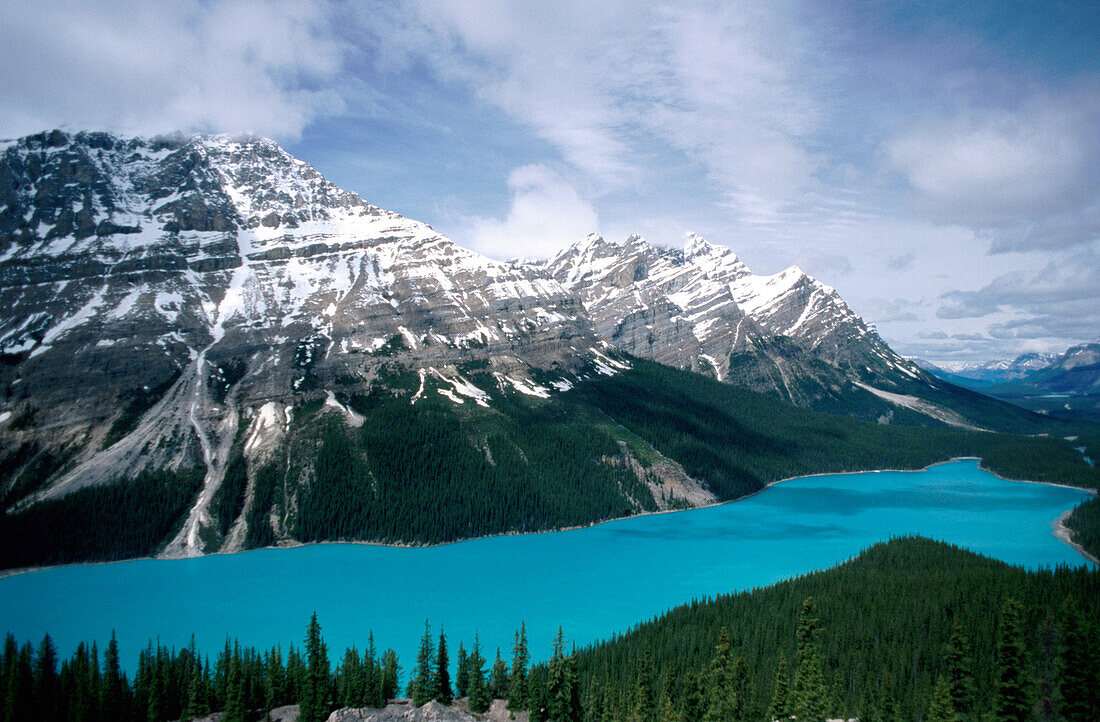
[{"x": 938, "y": 163}]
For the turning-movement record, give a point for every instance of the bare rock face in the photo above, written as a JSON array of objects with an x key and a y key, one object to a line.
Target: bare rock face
[
  {"x": 164, "y": 299},
  {"x": 701, "y": 309}
]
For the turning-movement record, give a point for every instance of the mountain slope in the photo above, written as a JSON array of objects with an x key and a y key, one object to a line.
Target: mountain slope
[{"x": 210, "y": 312}]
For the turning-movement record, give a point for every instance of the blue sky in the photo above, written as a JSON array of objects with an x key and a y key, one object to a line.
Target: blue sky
[{"x": 938, "y": 163}]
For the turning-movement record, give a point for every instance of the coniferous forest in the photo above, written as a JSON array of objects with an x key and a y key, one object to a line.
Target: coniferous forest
[{"x": 911, "y": 630}]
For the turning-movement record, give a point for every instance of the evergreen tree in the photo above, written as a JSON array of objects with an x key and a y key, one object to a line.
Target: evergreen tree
[
  {"x": 111, "y": 703},
  {"x": 479, "y": 690},
  {"x": 350, "y": 686},
  {"x": 391, "y": 672},
  {"x": 1077, "y": 685},
  {"x": 462, "y": 679},
  {"x": 47, "y": 703},
  {"x": 644, "y": 705},
  {"x": 959, "y": 665},
  {"x": 808, "y": 692},
  {"x": 442, "y": 691},
  {"x": 1012, "y": 701},
  {"x": 778, "y": 710},
  {"x": 421, "y": 684},
  {"x": 372, "y": 675},
  {"x": 1049, "y": 698},
  {"x": 517, "y": 684},
  {"x": 274, "y": 680},
  {"x": 941, "y": 709},
  {"x": 235, "y": 689},
  {"x": 498, "y": 678},
  {"x": 314, "y": 704},
  {"x": 197, "y": 703}
]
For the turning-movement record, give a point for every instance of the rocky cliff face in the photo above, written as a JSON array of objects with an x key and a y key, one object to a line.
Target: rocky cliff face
[
  {"x": 168, "y": 302},
  {"x": 702, "y": 309}
]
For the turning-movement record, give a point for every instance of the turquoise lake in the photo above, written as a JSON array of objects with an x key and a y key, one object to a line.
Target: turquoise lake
[{"x": 591, "y": 581}]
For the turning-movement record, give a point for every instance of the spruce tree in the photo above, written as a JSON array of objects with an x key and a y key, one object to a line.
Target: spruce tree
[
  {"x": 941, "y": 708},
  {"x": 442, "y": 691},
  {"x": 45, "y": 680},
  {"x": 778, "y": 710},
  {"x": 479, "y": 690},
  {"x": 1078, "y": 691},
  {"x": 517, "y": 684},
  {"x": 314, "y": 704},
  {"x": 809, "y": 692},
  {"x": 959, "y": 667},
  {"x": 644, "y": 704},
  {"x": 718, "y": 706},
  {"x": 391, "y": 672},
  {"x": 234, "y": 690},
  {"x": 498, "y": 678},
  {"x": 1012, "y": 702},
  {"x": 372, "y": 675},
  {"x": 420, "y": 684},
  {"x": 462, "y": 678}
]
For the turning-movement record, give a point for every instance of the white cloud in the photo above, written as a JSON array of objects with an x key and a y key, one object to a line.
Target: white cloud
[
  {"x": 546, "y": 214},
  {"x": 622, "y": 89},
  {"x": 1026, "y": 176},
  {"x": 145, "y": 68}
]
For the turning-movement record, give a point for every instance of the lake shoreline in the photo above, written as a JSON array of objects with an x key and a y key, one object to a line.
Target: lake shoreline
[{"x": 1059, "y": 529}]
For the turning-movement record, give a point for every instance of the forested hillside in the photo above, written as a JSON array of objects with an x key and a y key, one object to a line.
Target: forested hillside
[{"x": 646, "y": 438}]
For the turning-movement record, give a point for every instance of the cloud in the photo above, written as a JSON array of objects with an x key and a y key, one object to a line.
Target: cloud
[
  {"x": 146, "y": 68},
  {"x": 623, "y": 91},
  {"x": 1026, "y": 176},
  {"x": 546, "y": 214},
  {"x": 1058, "y": 300}
]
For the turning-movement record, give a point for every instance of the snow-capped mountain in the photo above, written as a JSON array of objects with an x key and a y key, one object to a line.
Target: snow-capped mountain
[
  {"x": 169, "y": 303},
  {"x": 701, "y": 309},
  {"x": 994, "y": 371}
]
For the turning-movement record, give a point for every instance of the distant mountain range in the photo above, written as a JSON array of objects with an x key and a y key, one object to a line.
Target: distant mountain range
[
  {"x": 212, "y": 303},
  {"x": 1066, "y": 383}
]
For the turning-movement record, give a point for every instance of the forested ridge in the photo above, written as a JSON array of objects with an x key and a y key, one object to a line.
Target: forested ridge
[
  {"x": 911, "y": 630},
  {"x": 435, "y": 472}
]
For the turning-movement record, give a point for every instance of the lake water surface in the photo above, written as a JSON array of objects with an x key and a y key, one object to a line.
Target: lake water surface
[{"x": 591, "y": 581}]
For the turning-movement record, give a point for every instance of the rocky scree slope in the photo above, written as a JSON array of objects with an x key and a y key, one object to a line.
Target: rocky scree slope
[{"x": 211, "y": 302}]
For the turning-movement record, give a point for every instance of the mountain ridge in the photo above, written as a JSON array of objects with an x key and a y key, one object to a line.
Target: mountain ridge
[{"x": 176, "y": 303}]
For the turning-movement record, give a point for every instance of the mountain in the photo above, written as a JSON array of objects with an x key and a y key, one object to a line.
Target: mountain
[
  {"x": 204, "y": 341},
  {"x": 987, "y": 373},
  {"x": 1068, "y": 386}
]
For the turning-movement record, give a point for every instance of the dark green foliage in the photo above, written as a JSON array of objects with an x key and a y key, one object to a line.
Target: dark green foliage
[
  {"x": 422, "y": 684},
  {"x": 462, "y": 678},
  {"x": 885, "y": 631},
  {"x": 498, "y": 678},
  {"x": 1012, "y": 701},
  {"x": 1084, "y": 523},
  {"x": 941, "y": 709},
  {"x": 317, "y": 689},
  {"x": 264, "y": 486},
  {"x": 27, "y": 468},
  {"x": 441, "y": 682},
  {"x": 223, "y": 376},
  {"x": 517, "y": 683},
  {"x": 479, "y": 689},
  {"x": 229, "y": 498},
  {"x": 138, "y": 402},
  {"x": 127, "y": 518}
]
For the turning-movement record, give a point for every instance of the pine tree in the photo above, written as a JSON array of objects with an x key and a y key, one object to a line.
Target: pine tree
[
  {"x": 462, "y": 679},
  {"x": 479, "y": 691},
  {"x": 1012, "y": 702},
  {"x": 718, "y": 704},
  {"x": 1078, "y": 692},
  {"x": 442, "y": 691},
  {"x": 47, "y": 703},
  {"x": 372, "y": 675},
  {"x": 644, "y": 706},
  {"x": 314, "y": 703},
  {"x": 959, "y": 666},
  {"x": 778, "y": 710},
  {"x": 197, "y": 703},
  {"x": 808, "y": 692},
  {"x": 1049, "y": 703},
  {"x": 517, "y": 684},
  {"x": 941, "y": 708},
  {"x": 421, "y": 684},
  {"x": 498, "y": 678},
  {"x": 391, "y": 672},
  {"x": 350, "y": 687},
  {"x": 234, "y": 689}
]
